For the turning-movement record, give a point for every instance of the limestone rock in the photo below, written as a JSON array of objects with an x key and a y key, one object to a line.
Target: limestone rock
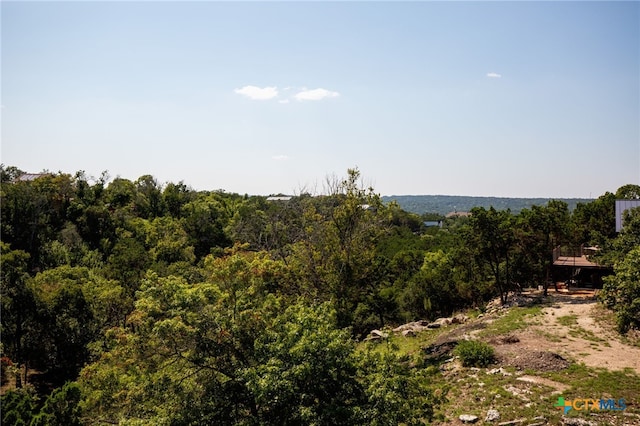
[
  {"x": 492, "y": 416},
  {"x": 408, "y": 333},
  {"x": 468, "y": 418}
]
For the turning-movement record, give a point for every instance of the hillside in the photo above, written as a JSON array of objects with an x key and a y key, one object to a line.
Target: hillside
[
  {"x": 443, "y": 204},
  {"x": 561, "y": 346}
]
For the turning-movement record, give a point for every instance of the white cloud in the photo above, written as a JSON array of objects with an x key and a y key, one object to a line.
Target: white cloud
[
  {"x": 315, "y": 95},
  {"x": 284, "y": 101},
  {"x": 280, "y": 157},
  {"x": 258, "y": 93},
  {"x": 494, "y": 75}
]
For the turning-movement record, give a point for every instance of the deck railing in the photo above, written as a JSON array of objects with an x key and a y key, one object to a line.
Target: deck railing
[{"x": 567, "y": 252}]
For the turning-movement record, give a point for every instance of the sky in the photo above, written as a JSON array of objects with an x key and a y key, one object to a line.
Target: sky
[{"x": 506, "y": 99}]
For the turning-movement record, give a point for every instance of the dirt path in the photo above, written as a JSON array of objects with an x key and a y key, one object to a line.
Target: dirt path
[{"x": 570, "y": 329}]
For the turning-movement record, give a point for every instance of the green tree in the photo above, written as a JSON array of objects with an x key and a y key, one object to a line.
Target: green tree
[
  {"x": 594, "y": 223},
  {"x": 18, "y": 310},
  {"x": 337, "y": 253},
  {"x": 432, "y": 291},
  {"x": 168, "y": 242},
  {"x": 9, "y": 173},
  {"x": 129, "y": 258},
  {"x": 615, "y": 250},
  {"x": 60, "y": 408},
  {"x": 149, "y": 202},
  {"x": 66, "y": 319},
  {"x": 493, "y": 239},
  {"x": 34, "y": 211},
  {"x": 538, "y": 231},
  {"x": 120, "y": 194},
  {"x": 18, "y": 407},
  {"x": 628, "y": 192},
  {"x": 204, "y": 219},
  {"x": 175, "y": 196},
  {"x": 621, "y": 291},
  {"x": 227, "y": 351}
]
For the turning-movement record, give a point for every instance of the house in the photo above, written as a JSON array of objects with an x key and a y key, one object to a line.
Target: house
[
  {"x": 576, "y": 267},
  {"x": 432, "y": 223},
  {"x": 621, "y": 207},
  {"x": 28, "y": 177},
  {"x": 279, "y": 198}
]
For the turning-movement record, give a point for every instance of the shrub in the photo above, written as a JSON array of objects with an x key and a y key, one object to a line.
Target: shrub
[{"x": 474, "y": 353}]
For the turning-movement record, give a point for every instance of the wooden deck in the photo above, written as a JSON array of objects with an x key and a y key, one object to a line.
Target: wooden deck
[{"x": 578, "y": 262}]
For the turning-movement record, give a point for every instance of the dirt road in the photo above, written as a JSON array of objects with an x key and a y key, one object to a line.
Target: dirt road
[{"x": 572, "y": 327}]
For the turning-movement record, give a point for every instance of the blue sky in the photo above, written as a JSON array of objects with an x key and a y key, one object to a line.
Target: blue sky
[{"x": 516, "y": 99}]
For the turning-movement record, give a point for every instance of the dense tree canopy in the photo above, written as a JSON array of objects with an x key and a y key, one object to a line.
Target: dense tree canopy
[{"x": 142, "y": 302}]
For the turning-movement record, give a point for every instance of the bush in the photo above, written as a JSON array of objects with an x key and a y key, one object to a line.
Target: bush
[
  {"x": 474, "y": 353},
  {"x": 621, "y": 291}
]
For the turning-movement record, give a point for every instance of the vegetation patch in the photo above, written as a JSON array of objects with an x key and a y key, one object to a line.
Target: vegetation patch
[
  {"x": 568, "y": 320},
  {"x": 474, "y": 353},
  {"x": 598, "y": 383},
  {"x": 516, "y": 318}
]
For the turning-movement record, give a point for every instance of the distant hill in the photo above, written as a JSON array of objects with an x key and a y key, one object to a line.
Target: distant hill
[{"x": 443, "y": 204}]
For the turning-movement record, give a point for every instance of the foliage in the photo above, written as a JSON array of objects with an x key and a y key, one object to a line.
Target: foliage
[
  {"x": 18, "y": 314},
  {"x": 22, "y": 407},
  {"x": 621, "y": 291},
  {"x": 494, "y": 238},
  {"x": 594, "y": 223},
  {"x": 61, "y": 408},
  {"x": 474, "y": 353},
  {"x": 226, "y": 352},
  {"x": 538, "y": 232},
  {"x": 18, "y": 407},
  {"x": 197, "y": 307}
]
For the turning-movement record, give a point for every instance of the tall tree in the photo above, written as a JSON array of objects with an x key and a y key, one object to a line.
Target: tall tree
[
  {"x": 538, "y": 231},
  {"x": 595, "y": 222},
  {"x": 18, "y": 307},
  {"x": 621, "y": 291},
  {"x": 493, "y": 238}
]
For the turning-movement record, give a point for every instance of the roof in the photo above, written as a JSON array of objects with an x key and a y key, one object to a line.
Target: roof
[
  {"x": 278, "y": 198},
  {"x": 432, "y": 223},
  {"x": 578, "y": 262},
  {"x": 28, "y": 177}
]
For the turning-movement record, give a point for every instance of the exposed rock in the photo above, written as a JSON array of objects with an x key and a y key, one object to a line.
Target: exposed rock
[
  {"x": 443, "y": 321},
  {"x": 376, "y": 335},
  {"x": 512, "y": 422},
  {"x": 499, "y": 371},
  {"x": 459, "y": 319},
  {"x": 434, "y": 325},
  {"x": 415, "y": 326},
  {"x": 468, "y": 418},
  {"x": 408, "y": 333},
  {"x": 492, "y": 416},
  {"x": 520, "y": 393}
]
